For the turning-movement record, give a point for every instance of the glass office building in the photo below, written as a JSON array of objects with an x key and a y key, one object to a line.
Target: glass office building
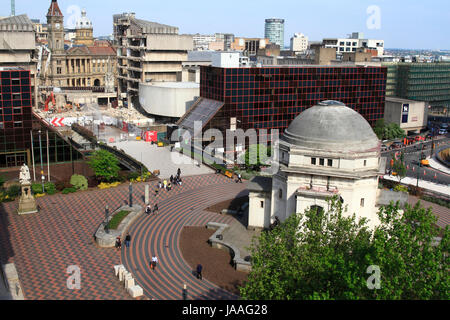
[
  {"x": 274, "y": 31},
  {"x": 271, "y": 97},
  {"x": 17, "y": 122}
]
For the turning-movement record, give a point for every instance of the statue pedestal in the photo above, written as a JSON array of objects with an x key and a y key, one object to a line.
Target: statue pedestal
[{"x": 27, "y": 204}]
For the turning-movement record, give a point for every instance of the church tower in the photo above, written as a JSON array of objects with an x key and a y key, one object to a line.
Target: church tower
[
  {"x": 84, "y": 31},
  {"x": 55, "y": 22}
]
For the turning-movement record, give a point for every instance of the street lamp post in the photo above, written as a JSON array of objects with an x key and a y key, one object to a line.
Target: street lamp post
[
  {"x": 106, "y": 218},
  {"x": 42, "y": 166},
  {"x": 130, "y": 194}
]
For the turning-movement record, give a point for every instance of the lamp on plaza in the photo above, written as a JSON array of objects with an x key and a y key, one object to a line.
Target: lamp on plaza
[
  {"x": 42, "y": 166},
  {"x": 130, "y": 194},
  {"x": 106, "y": 218},
  {"x": 185, "y": 292}
]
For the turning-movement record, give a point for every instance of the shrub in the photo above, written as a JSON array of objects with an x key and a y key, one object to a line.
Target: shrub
[
  {"x": 69, "y": 190},
  {"x": 401, "y": 188},
  {"x": 133, "y": 175},
  {"x": 117, "y": 219},
  {"x": 13, "y": 191},
  {"x": 50, "y": 188},
  {"x": 61, "y": 185},
  {"x": 36, "y": 188},
  {"x": 78, "y": 181},
  {"x": 2, "y": 181}
]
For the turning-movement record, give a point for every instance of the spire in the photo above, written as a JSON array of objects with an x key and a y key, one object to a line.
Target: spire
[{"x": 54, "y": 10}]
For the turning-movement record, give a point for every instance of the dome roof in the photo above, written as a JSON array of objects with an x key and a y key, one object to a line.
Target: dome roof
[
  {"x": 83, "y": 22},
  {"x": 333, "y": 126}
]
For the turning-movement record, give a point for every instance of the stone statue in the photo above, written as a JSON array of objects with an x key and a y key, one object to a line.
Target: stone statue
[
  {"x": 24, "y": 176},
  {"x": 27, "y": 204}
]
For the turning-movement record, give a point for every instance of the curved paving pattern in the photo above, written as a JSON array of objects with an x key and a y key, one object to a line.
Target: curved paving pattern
[
  {"x": 43, "y": 245},
  {"x": 160, "y": 235}
]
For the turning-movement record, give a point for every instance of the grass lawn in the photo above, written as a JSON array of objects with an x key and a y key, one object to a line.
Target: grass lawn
[{"x": 117, "y": 219}]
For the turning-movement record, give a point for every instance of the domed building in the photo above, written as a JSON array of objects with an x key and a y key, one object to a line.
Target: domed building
[
  {"x": 328, "y": 149},
  {"x": 84, "y": 31}
]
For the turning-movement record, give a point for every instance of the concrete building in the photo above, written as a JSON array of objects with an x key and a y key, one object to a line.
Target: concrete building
[
  {"x": 429, "y": 82},
  {"x": 168, "y": 99},
  {"x": 17, "y": 47},
  {"x": 147, "y": 52},
  {"x": 40, "y": 30},
  {"x": 227, "y": 38},
  {"x": 410, "y": 115},
  {"x": 327, "y": 150},
  {"x": 274, "y": 31},
  {"x": 201, "y": 41},
  {"x": 299, "y": 43},
  {"x": 249, "y": 46},
  {"x": 353, "y": 42}
]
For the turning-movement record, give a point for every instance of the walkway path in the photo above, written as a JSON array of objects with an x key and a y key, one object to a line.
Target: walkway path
[
  {"x": 160, "y": 235},
  {"x": 43, "y": 245}
]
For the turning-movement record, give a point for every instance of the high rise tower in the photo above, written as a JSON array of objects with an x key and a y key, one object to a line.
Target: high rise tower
[{"x": 274, "y": 31}]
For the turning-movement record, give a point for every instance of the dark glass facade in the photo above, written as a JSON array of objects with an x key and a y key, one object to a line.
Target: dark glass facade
[
  {"x": 15, "y": 117},
  {"x": 271, "y": 97},
  {"x": 17, "y": 122}
]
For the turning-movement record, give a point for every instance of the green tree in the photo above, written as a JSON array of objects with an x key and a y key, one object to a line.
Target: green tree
[
  {"x": 257, "y": 155},
  {"x": 399, "y": 167},
  {"x": 326, "y": 255},
  {"x": 105, "y": 165},
  {"x": 388, "y": 131}
]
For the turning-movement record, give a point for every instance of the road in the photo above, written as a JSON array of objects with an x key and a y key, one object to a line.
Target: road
[{"x": 412, "y": 157}]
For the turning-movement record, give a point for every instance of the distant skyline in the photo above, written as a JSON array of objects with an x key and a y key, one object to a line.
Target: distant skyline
[{"x": 404, "y": 24}]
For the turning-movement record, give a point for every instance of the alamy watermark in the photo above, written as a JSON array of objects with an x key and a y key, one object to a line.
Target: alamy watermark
[
  {"x": 374, "y": 19},
  {"x": 374, "y": 281},
  {"x": 74, "y": 280}
]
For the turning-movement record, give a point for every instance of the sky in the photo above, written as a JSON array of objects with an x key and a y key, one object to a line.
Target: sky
[{"x": 407, "y": 24}]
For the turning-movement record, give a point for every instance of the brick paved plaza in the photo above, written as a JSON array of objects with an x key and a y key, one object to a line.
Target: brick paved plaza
[{"x": 43, "y": 245}]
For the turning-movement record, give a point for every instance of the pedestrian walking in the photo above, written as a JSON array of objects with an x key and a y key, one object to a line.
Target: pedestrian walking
[
  {"x": 118, "y": 243},
  {"x": 179, "y": 172},
  {"x": 160, "y": 185},
  {"x": 165, "y": 184},
  {"x": 171, "y": 179},
  {"x": 155, "y": 208},
  {"x": 239, "y": 178},
  {"x": 148, "y": 210},
  {"x": 199, "y": 271},
  {"x": 169, "y": 186},
  {"x": 127, "y": 240},
  {"x": 154, "y": 262}
]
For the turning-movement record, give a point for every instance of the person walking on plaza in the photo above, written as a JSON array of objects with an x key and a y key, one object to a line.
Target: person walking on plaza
[
  {"x": 199, "y": 271},
  {"x": 148, "y": 210},
  {"x": 165, "y": 184},
  {"x": 118, "y": 243},
  {"x": 171, "y": 179},
  {"x": 239, "y": 178},
  {"x": 160, "y": 184},
  {"x": 155, "y": 209},
  {"x": 179, "y": 172},
  {"x": 127, "y": 240},
  {"x": 154, "y": 262}
]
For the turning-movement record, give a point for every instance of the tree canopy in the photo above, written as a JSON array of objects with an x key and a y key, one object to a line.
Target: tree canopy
[
  {"x": 327, "y": 254},
  {"x": 388, "y": 131},
  {"x": 105, "y": 165},
  {"x": 257, "y": 155}
]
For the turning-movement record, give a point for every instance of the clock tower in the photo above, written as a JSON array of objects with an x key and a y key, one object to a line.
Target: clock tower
[{"x": 55, "y": 22}]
